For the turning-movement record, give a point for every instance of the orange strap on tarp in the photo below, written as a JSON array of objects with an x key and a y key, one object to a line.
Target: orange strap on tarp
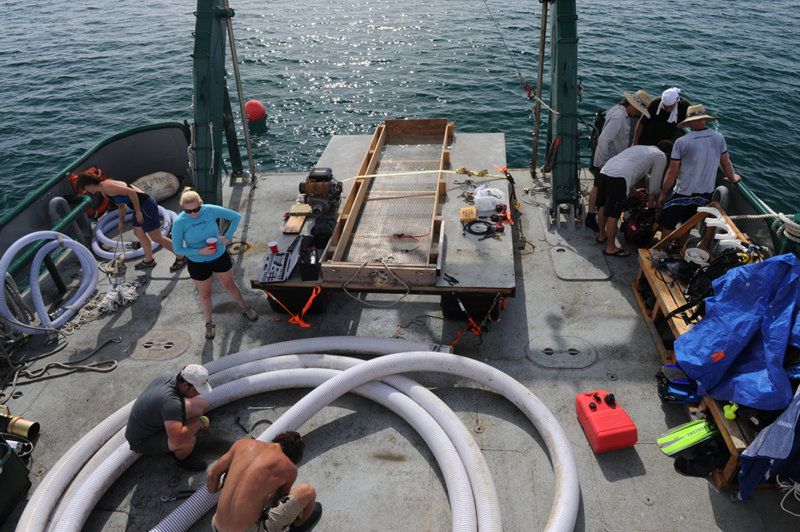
[{"x": 297, "y": 319}]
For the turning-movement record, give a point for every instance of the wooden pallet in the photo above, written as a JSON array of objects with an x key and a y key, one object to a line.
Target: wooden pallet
[{"x": 338, "y": 266}]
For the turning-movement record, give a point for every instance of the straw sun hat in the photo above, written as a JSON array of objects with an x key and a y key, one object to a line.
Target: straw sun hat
[
  {"x": 695, "y": 112},
  {"x": 640, "y": 100}
]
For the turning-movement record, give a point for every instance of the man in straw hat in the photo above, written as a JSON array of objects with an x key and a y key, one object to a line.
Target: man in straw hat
[
  {"x": 693, "y": 170},
  {"x": 661, "y": 121},
  {"x": 168, "y": 414},
  {"x": 614, "y": 138}
]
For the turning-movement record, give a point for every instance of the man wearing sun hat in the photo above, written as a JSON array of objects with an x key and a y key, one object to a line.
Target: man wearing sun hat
[
  {"x": 168, "y": 414},
  {"x": 696, "y": 157},
  {"x": 612, "y": 140},
  {"x": 661, "y": 122}
]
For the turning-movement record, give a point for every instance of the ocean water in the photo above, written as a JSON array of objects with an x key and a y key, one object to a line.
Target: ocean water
[{"x": 74, "y": 73}]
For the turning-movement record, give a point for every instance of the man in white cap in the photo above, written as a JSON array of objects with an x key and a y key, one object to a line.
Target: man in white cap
[
  {"x": 695, "y": 159},
  {"x": 614, "y": 138},
  {"x": 167, "y": 415},
  {"x": 661, "y": 122}
]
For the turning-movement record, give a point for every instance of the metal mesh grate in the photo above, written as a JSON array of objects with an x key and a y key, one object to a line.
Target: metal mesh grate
[{"x": 400, "y": 203}]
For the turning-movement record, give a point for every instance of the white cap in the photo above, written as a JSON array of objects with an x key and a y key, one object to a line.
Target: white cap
[{"x": 197, "y": 376}]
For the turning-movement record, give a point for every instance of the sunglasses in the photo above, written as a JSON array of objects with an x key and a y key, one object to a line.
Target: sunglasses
[{"x": 192, "y": 211}]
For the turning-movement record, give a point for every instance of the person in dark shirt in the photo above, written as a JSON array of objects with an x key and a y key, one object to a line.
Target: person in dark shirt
[
  {"x": 166, "y": 417},
  {"x": 662, "y": 119}
]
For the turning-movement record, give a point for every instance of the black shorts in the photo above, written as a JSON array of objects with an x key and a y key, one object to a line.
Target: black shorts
[
  {"x": 611, "y": 194},
  {"x": 200, "y": 271},
  {"x": 596, "y": 173},
  {"x": 680, "y": 208}
]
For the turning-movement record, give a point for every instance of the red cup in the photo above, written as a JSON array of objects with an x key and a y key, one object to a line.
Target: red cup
[
  {"x": 273, "y": 246},
  {"x": 212, "y": 244}
]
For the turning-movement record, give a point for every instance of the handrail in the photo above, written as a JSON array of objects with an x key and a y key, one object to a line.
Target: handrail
[
  {"x": 782, "y": 244},
  {"x": 84, "y": 202}
]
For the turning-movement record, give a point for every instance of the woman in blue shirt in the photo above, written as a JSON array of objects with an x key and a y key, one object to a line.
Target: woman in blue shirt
[{"x": 190, "y": 231}]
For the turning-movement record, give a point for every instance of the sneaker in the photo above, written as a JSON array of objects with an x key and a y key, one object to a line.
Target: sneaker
[
  {"x": 249, "y": 313},
  {"x": 591, "y": 222},
  {"x": 211, "y": 330},
  {"x": 310, "y": 522},
  {"x": 191, "y": 463}
]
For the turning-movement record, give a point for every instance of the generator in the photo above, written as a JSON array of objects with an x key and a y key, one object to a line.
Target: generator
[{"x": 321, "y": 191}]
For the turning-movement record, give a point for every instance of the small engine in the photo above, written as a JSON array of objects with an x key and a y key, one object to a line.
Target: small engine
[{"x": 321, "y": 191}]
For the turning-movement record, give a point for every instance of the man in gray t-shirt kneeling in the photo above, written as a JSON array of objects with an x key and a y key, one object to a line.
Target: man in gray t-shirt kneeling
[{"x": 167, "y": 415}]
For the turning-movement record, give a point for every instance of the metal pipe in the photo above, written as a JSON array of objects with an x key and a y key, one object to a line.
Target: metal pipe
[
  {"x": 235, "y": 61},
  {"x": 537, "y": 110}
]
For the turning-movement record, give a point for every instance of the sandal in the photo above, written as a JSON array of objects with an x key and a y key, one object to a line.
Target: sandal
[
  {"x": 179, "y": 263},
  {"x": 144, "y": 264},
  {"x": 211, "y": 330},
  {"x": 618, "y": 253},
  {"x": 249, "y": 313}
]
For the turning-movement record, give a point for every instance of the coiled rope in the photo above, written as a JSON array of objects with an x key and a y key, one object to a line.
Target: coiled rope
[
  {"x": 100, "y": 304},
  {"x": 789, "y": 230}
]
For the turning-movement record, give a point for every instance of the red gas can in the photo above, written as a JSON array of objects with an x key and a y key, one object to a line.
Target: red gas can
[{"x": 607, "y": 426}]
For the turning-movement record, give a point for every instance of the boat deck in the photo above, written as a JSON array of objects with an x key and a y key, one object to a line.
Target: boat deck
[{"x": 573, "y": 326}]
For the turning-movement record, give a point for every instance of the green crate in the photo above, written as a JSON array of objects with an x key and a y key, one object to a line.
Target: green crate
[{"x": 13, "y": 479}]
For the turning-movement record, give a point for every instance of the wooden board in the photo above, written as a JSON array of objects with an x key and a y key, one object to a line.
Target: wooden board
[{"x": 294, "y": 225}]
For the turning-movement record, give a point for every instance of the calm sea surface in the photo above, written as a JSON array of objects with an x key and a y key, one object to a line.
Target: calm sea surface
[{"x": 75, "y": 72}]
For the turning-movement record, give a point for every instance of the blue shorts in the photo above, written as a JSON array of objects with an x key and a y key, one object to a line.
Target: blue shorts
[{"x": 152, "y": 220}]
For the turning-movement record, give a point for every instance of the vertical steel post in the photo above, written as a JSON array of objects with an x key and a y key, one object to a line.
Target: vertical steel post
[
  {"x": 537, "y": 110},
  {"x": 564, "y": 100},
  {"x": 209, "y": 95}
]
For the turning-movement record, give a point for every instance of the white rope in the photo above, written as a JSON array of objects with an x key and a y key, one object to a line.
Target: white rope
[
  {"x": 789, "y": 230},
  {"x": 107, "y": 303},
  {"x": 115, "y": 267},
  {"x": 793, "y": 488}
]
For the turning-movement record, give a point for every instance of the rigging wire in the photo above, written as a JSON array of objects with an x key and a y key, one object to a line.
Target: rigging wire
[
  {"x": 525, "y": 85},
  {"x": 532, "y": 95}
]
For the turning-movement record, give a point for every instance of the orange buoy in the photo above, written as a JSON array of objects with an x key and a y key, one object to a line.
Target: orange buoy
[{"x": 255, "y": 110}]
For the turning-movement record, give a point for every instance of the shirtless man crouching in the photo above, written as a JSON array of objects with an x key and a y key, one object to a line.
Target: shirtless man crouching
[{"x": 257, "y": 492}]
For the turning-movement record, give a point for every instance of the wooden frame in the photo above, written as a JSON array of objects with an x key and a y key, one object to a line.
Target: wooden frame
[{"x": 335, "y": 267}]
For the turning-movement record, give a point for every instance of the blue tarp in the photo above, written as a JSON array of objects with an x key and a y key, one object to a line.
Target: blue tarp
[
  {"x": 774, "y": 451},
  {"x": 736, "y": 351}
]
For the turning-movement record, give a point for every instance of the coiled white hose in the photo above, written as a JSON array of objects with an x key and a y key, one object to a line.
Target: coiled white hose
[
  {"x": 89, "y": 277},
  {"x": 44, "y": 499},
  {"x": 88, "y": 493},
  {"x": 110, "y": 220},
  {"x": 567, "y": 491}
]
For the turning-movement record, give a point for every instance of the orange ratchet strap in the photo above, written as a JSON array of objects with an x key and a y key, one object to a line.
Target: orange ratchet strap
[{"x": 297, "y": 319}]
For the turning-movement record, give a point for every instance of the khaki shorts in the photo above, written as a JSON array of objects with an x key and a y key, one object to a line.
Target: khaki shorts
[{"x": 276, "y": 518}]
